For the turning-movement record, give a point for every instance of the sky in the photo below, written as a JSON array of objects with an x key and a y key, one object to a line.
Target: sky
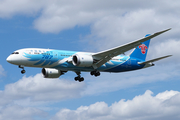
[{"x": 92, "y": 26}]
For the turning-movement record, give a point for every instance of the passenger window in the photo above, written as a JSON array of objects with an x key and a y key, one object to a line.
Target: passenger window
[
  {"x": 31, "y": 51},
  {"x": 35, "y": 52},
  {"x": 48, "y": 53}
]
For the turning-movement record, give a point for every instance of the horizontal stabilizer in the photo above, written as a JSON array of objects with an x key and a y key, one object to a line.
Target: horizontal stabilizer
[{"x": 153, "y": 60}]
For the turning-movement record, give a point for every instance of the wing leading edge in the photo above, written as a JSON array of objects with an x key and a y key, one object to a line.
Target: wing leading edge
[{"x": 104, "y": 56}]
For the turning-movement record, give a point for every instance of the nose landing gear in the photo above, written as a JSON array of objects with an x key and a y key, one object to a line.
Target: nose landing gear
[{"x": 22, "y": 71}]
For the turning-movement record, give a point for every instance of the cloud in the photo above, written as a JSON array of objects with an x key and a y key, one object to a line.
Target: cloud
[
  {"x": 109, "y": 82},
  {"x": 10, "y": 8},
  {"x": 113, "y": 30},
  {"x": 28, "y": 97},
  {"x": 66, "y": 15},
  {"x": 87, "y": 112},
  {"x": 54, "y": 16},
  {"x": 169, "y": 47},
  {"x": 2, "y": 72},
  {"x": 31, "y": 96},
  {"x": 37, "y": 88},
  {"x": 141, "y": 107},
  {"x": 111, "y": 23},
  {"x": 20, "y": 113}
]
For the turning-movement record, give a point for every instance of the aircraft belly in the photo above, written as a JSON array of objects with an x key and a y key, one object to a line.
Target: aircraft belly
[{"x": 127, "y": 66}]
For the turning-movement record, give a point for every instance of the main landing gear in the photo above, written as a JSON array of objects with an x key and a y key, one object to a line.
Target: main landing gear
[
  {"x": 79, "y": 78},
  {"x": 22, "y": 71},
  {"x": 95, "y": 73}
]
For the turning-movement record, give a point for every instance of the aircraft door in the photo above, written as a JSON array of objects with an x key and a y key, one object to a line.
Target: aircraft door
[{"x": 55, "y": 55}]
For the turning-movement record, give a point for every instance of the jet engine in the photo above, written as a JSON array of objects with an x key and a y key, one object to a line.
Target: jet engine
[
  {"x": 51, "y": 73},
  {"x": 81, "y": 60}
]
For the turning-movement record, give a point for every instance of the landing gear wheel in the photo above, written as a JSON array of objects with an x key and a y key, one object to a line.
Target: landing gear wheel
[
  {"x": 76, "y": 78},
  {"x": 81, "y": 79},
  {"x": 95, "y": 73},
  {"x": 23, "y": 71}
]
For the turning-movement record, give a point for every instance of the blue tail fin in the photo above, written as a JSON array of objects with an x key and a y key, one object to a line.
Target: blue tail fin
[{"x": 141, "y": 51}]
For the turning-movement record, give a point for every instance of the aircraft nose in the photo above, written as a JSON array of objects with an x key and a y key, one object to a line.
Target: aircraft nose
[
  {"x": 14, "y": 59},
  {"x": 9, "y": 59}
]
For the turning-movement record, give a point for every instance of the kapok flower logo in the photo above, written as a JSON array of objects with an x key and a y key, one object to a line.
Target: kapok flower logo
[{"x": 143, "y": 48}]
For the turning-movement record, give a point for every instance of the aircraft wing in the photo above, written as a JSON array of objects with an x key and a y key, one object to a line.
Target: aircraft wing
[
  {"x": 104, "y": 56},
  {"x": 153, "y": 60}
]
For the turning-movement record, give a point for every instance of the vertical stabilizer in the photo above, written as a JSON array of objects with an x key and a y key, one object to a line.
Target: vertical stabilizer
[{"x": 141, "y": 51}]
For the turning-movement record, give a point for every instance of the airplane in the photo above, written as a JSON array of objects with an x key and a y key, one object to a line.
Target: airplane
[{"x": 55, "y": 63}]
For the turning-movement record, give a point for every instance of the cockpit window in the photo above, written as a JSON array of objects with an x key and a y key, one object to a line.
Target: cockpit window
[{"x": 15, "y": 53}]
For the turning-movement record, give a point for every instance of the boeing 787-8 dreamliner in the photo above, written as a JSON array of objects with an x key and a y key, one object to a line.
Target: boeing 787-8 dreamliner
[{"x": 55, "y": 63}]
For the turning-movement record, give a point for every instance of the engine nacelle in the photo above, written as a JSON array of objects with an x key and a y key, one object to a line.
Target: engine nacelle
[
  {"x": 51, "y": 73},
  {"x": 81, "y": 60}
]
